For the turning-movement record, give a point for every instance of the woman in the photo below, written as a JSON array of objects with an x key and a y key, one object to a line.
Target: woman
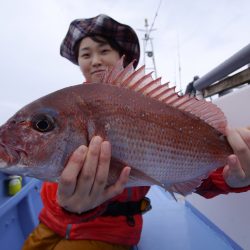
[{"x": 79, "y": 212}]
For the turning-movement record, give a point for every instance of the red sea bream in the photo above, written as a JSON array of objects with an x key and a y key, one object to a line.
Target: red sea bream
[{"x": 169, "y": 140}]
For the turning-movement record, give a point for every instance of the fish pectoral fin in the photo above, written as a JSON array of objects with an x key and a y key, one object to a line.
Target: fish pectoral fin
[
  {"x": 136, "y": 177},
  {"x": 185, "y": 188}
]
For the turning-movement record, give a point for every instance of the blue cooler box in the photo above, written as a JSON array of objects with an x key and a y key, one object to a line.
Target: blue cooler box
[{"x": 19, "y": 212}]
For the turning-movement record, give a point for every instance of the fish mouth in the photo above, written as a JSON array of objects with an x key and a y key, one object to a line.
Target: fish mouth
[{"x": 10, "y": 155}]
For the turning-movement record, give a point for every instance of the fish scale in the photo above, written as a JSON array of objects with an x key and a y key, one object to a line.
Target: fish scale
[
  {"x": 166, "y": 139},
  {"x": 159, "y": 151}
]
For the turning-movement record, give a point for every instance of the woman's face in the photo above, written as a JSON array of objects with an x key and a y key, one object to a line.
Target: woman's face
[{"x": 94, "y": 57}]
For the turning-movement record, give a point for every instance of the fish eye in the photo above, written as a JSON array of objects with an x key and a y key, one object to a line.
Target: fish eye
[{"x": 43, "y": 123}]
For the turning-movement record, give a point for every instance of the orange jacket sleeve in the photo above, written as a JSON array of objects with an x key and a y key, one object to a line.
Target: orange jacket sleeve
[{"x": 215, "y": 185}]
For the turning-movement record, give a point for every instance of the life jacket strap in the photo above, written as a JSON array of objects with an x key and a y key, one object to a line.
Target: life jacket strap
[{"x": 128, "y": 208}]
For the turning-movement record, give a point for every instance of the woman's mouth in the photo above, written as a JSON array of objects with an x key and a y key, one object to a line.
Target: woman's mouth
[{"x": 98, "y": 72}]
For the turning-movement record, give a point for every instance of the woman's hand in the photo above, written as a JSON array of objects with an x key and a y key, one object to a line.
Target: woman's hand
[
  {"x": 82, "y": 185},
  {"x": 237, "y": 172}
]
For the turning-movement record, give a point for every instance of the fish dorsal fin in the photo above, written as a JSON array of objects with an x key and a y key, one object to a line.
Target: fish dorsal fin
[
  {"x": 113, "y": 72},
  {"x": 117, "y": 74},
  {"x": 137, "y": 81}
]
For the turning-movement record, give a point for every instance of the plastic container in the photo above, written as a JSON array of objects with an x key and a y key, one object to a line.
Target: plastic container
[{"x": 18, "y": 212}]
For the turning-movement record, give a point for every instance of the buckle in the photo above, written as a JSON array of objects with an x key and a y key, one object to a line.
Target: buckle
[{"x": 145, "y": 205}]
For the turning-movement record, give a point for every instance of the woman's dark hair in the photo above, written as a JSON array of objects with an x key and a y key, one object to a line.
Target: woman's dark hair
[{"x": 103, "y": 40}]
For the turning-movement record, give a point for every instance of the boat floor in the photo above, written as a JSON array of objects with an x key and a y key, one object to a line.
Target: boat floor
[{"x": 179, "y": 226}]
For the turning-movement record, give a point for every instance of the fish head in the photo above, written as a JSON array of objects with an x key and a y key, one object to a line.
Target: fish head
[{"x": 38, "y": 140}]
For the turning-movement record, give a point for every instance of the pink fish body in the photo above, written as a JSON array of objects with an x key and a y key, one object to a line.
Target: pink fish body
[{"x": 167, "y": 140}]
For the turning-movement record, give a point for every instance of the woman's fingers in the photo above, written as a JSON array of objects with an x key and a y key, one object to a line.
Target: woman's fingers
[
  {"x": 239, "y": 140},
  {"x": 87, "y": 177},
  {"x": 83, "y": 182},
  {"x": 102, "y": 169},
  {"x": 119, "y": 186},
  {"x": 237, "y": 172},
  {"x": 68, "y": 178}
]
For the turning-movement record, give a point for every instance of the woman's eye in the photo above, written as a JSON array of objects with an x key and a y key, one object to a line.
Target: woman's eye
[
  {"x": 85, "y": 55},
  {"x": 105, "y": 51},
  {"x": 43, "y": 123}
]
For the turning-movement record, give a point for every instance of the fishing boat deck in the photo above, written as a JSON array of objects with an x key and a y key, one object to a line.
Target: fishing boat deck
[
  {"x": 178, "y": 225},
  {"x": 169, "y": 225}
]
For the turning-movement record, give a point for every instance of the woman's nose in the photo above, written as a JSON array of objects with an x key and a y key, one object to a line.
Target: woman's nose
[{"x": 96, "y": 60}]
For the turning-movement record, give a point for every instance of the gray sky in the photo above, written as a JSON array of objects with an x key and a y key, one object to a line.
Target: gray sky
[{"x": 202, "y": 32}]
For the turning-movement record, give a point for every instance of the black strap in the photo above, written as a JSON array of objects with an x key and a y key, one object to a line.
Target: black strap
[{"x": 129, "y": 208}]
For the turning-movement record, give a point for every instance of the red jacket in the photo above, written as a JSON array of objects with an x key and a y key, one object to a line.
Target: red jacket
[{"x": 107, "y": 228}]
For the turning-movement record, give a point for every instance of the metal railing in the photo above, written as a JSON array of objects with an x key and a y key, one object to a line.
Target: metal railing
[{"x": 238, "y": 60}]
